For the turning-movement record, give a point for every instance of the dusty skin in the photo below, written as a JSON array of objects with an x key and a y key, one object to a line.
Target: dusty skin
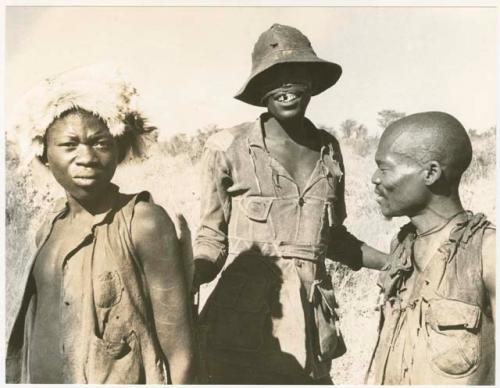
[
  {"x": 91, "y": 274},
  {"x": 438, "y": 289}
]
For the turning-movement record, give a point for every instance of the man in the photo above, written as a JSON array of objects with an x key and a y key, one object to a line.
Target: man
[
  {"x": 438, "y": 287},
  {"x": 272, "y": 210},
  {"x": 104, "y": 299}
]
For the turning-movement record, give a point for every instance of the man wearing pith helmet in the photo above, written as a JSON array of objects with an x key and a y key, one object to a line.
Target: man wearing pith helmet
[{"x": 272, "y": 211}]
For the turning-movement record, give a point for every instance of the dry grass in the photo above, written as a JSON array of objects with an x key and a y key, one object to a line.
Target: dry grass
[{"x": 174, "y": 183}]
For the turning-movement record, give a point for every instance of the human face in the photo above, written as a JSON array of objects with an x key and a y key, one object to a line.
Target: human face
[
  {"x": 289, "y": 92},
  {"x": 399, "y": 182},
  {"x": 81, "y": 154}
]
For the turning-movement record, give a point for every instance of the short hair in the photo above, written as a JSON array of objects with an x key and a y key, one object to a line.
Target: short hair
[{"x": 430, "y": 136}]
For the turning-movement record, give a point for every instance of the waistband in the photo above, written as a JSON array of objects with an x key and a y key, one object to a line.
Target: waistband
[{"x": 313, "y": 252}]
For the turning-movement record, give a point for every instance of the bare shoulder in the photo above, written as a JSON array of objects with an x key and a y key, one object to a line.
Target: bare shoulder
[
  {"x": 489, "y": 255},
  {"x": 489, "y": 242},
  {"x": 151, "y": 222}
]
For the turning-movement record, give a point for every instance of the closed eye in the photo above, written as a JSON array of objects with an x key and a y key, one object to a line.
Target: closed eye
[{"x": 68, "y": 144}]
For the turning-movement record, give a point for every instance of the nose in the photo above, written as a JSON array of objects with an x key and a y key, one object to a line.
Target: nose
[
  {"x": 376, "y": 177},
  {"x": 86, "y": 155}
]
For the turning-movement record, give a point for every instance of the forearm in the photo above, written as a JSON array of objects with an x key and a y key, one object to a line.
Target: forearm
[
  {"x": 173, "y": 324},
  {"x": 210, "y": 246},
  {"x": 345, "y": 248},
  {"x": 177, "y": 343},
  {"x": 373, "y": 258}
]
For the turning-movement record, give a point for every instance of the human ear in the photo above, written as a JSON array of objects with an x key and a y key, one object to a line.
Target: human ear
[{"x": 433, "y": 171}]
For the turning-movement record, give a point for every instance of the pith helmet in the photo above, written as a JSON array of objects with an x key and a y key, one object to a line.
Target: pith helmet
[{"x": 284, "y": 44}]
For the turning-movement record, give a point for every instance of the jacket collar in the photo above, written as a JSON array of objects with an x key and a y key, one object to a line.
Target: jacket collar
[{"x": 256, "y": 134}]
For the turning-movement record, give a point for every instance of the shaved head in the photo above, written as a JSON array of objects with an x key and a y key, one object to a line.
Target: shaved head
[{"x": 431, "y": 136}]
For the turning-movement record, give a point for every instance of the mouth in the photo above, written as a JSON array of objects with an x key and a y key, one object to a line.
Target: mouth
[
  {"x": 87, "y": 179},
  {"x": 86, "y": 176},
  {"x": 286, "y": 97},
  {"x": 378, "y": 196}
]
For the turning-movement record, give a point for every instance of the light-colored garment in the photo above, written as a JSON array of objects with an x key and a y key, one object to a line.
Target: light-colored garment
[
  {"x": 441, "y": 331},
  {"x": 273, "y": 309},
  {"x": 107, "y": 321},
  {"x": 250, "y": 200}
]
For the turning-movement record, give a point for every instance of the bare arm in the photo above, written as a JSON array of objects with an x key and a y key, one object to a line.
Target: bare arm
[
  {"x": 347, "y": 249},
  {"x": 372, "y": 258},
  {"x": 489, "y": 262},
  {"x": 155, "y": 240}
]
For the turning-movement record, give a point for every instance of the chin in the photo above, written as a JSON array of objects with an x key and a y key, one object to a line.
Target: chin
[
  {"x": 88, "y": 192},
  {"x": 389, "y": 214},
  {"x": 289, "y": 116}
]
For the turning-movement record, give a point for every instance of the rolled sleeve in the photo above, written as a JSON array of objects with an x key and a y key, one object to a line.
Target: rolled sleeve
[
  {"x": 211, "y": 242},
  {"x": 343, "y": 246}
]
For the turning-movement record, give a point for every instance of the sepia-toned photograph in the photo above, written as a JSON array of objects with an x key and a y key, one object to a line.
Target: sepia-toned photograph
[{"x": 259, "y": 194}]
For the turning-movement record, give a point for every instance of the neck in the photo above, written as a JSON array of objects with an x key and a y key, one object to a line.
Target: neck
[
  {"x": 91, "y": 206},
  {"x": 294, "y": 129},
  {"x": 436, "y": 214}
]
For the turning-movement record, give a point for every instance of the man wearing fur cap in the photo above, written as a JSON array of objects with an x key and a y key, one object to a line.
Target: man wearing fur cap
[
  {"x": 272, "y": 210},
  {"x": 105, "y": 297},
  {"x": 438, "y": 287}
]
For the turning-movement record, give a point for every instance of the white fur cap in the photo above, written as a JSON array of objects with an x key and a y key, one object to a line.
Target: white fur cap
[{"x": 100, "y": 89}]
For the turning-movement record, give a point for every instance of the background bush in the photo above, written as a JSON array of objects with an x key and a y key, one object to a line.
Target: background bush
[{"x": 171, "y": 174}]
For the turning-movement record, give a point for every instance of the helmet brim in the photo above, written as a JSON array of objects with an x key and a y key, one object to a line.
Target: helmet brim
[{"x": 324, "y": 75}]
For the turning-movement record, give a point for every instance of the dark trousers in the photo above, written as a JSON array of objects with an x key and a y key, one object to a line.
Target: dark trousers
[{"x": 220, "y": 372}]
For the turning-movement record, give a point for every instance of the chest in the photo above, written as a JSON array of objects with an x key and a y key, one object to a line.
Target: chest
[
  {"x": 54, "y": 253},
  {"x": 299, "y": 161}
]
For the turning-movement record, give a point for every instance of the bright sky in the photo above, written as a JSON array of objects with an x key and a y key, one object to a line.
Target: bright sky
[{"x": 188, "y": 62}]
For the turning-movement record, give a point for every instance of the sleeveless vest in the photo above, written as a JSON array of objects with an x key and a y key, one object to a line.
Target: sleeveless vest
[
  {"x": 443, "y": 333},
  {"x": 119, "y": 344}
]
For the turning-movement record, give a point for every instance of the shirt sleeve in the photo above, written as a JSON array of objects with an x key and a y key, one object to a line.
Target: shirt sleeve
[
  {"x": 343, "y": 246},
  {"x": 211, "y": 242},
  {"x": 340, "y": 194}
]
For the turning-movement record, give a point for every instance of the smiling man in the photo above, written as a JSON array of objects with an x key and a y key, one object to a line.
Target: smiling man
[
  {"x": 104, "y": 299},
  {"x": 272, "y": 210},
  {"x": 438, "y": 288}
]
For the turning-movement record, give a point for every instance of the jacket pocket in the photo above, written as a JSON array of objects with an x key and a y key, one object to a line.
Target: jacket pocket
[
  {"x": 330, "y": 343},
  {"x": 114, "y": 362},
  {"x": 237, "y": 317},
  {"x": 253, "y": 218},
  {"x": 453, "y": 336},
  {"x": 257, "y": 208},
  {"x": 108, "y": 289}
]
